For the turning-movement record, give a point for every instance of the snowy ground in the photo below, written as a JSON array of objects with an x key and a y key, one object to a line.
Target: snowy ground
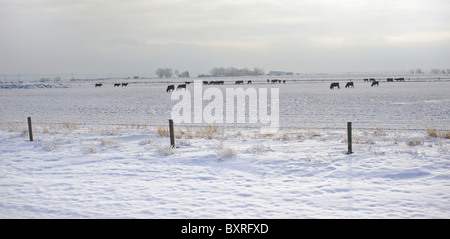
[{"x": 82, "y": 167}]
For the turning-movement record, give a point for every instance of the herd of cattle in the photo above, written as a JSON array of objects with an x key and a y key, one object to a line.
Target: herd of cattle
[
  {"x": 333, "y": 85},
  {"x": 374, "y": 82},
  {"x": 239, "y": 82},
  {"x": 115, "y": 84}
]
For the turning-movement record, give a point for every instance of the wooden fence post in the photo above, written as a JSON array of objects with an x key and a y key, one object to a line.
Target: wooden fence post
[
  {"x": 30, "y": 130},
  {"x": 172, "y": 135},
  {"x": 349, "y": 137}
]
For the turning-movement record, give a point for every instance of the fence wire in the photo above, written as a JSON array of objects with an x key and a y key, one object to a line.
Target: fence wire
[{"x": 361, "y": 126}]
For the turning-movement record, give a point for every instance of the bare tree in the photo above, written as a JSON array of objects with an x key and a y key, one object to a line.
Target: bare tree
[
  {"x": 164, "y": 72},
  {"x": 434, "y": 71},
  {"x": 160, "y": 72}
]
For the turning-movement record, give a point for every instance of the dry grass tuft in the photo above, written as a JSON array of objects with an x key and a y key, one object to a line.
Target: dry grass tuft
[
  {"x": 16, "y": 127},
  {"x": 110, "y": 143},
  {"x": 312, "y": 133},
  {"x": 445, "y": 135},
  {"x": 223, "y": 152},
  {"x": 379, "y": 131},
  {"x": 70, "y": 126},
  {"x": 165, "y": 150},
  {"x": 259, "y": 148},
  {"x": 89, "y": 150},
  {"x": 433, "y": 133},
  {"x": 208, "y": 132},
  {"x": 203, "y": 132},
  {"x": 163, "y": 131},
  {"x": 284, "y": 137},
  {"x": 414, "y": 142}
]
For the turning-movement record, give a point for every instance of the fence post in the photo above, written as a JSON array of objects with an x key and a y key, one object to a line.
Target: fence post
[
  {"x": 172, "y": 136},
  {"x": 30, "y": 130},
  {"x": 349, "y": 137}
]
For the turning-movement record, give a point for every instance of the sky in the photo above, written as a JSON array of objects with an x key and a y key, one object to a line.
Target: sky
[{"x": 302, "y": 36}]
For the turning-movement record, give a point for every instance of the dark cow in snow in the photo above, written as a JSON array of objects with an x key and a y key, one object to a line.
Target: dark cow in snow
[
  {"x": 390, "y": 80},
  {"x": 349, "y": 84},
  {"x": 399, "y": 79},
  {"x": 170, "y": 88},
  {"x": 182, "y": 86},
  {"x": 249, "y": 82},
  {"x": 116, "y": 84},
  {"x": 375, "y": 83},
  {"x": 239, "y": 82},
  {"x": 98, "y": 85},
  {"x": 124, "y": 84},
  {"x": 334, "y": 84}
]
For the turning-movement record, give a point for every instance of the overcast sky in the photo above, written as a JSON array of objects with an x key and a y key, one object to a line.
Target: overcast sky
[{"x": 139, "y": 36}]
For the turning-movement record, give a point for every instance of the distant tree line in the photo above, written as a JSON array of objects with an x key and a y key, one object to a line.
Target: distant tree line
[
  {"x": 438, "y": 71},
  {"x": 232, "y": 71},
  {"x": 216, "y": 71},
  {"x": 432, "y": 71},
  {"x": 168, "y": 72}
]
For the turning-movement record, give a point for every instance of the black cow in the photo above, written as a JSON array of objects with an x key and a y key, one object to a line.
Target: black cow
[
  {"x": 400, "y": 79},
  {"x": 98, "y": 85},
  {"x": 334, "y": 84},
  {"x": 124, "y": 84},
  {"x": 170, "y": 88},
  {"x": 366, "y": 80},
  {"x": 220, "y": 82},
  {"x": 390, "y": 80},
  {"x": 349, "y": 84},
  {"x": 276, "y": 81},
  {"x": 249, "y": 82},
  {"x": 116, "y": 84},
  {"x": 182, "y": 86},
  {"x": 239, "y": 82},
  {"x": 205, "y": 82},
  {"x": 375, "y": 83}
]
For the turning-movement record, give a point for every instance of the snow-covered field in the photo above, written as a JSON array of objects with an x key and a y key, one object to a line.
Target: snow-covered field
[{"x": 98, "y": 153}]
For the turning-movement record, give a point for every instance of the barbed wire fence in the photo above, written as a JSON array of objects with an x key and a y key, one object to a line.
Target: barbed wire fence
[
  {"x": 236, "y": 126},
  {"x": 345, "y": 134},
  {"x": 310, "y": 128}
]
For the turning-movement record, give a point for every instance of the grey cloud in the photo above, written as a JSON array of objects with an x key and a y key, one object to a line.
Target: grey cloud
[{"x": 199, "y": 34}]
